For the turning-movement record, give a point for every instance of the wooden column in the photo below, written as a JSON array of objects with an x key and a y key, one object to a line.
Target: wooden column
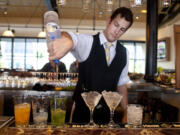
[
  {"x": 151, "y": 40},
  {"x": 177, "y": 48}
]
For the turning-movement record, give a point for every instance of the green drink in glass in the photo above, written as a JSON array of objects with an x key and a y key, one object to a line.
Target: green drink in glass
[
  {"x": 58, "y": 117},
  {"x": 58, "y": 111}
]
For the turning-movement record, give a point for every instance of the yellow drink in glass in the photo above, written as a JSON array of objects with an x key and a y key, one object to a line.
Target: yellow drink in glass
[{"x": 22, "y": 114}]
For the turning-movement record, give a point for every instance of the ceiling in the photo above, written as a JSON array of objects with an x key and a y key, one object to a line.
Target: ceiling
[
  {"x": 100, "y": 7},
  {"x": 28, "y": 12}
]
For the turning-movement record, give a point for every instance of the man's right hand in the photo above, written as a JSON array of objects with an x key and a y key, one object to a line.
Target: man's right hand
[{"x": 60, "y": 47}]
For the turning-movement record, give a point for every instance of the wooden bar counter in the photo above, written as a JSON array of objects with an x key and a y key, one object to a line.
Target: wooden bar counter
[
  {"x": 8, "y": 128},
  {"x": 90, "y": 131}
]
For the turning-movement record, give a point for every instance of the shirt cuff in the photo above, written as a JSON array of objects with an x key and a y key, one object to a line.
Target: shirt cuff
[{"x": 124, "y": 80}]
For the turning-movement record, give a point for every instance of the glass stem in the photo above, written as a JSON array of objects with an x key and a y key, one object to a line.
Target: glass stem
[
  {"x": 111, "y": 117},
  {"x": 91, "y": 116}
]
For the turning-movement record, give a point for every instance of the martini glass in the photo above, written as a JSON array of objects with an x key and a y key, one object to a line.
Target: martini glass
[
  {"x": 91, "y": 99},
  {"x": 112, "y": 100}
]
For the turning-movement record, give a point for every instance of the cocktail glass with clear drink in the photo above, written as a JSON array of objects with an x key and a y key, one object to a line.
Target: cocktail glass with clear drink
[
  {"x": 91, "y": 99},
  {"x": 112, "y": 100}
]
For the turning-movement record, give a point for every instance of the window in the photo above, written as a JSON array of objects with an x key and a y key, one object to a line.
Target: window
[
  {"x": 23, "y": 53},
  {"x": 31, "y": 53},
  {"x": 137, "y": 52},
  {"x": 42, "y": 53},
  {"x": 26, "y": 54},
  {"x": 18, "y": 53},
  {"x": 6, "y": 53}
]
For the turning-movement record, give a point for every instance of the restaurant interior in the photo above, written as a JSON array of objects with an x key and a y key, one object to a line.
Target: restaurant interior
[{"x": 152, "y": 42}]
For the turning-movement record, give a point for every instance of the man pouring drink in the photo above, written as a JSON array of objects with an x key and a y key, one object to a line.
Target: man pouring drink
[{"x": 103, "y": 64}]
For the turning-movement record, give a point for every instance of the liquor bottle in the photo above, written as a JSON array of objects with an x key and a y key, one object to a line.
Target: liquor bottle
[{"x": 53, "y": 31}]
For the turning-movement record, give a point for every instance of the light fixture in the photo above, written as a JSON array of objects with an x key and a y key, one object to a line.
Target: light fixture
[
  {"x": 42, "y": 34},
  {"x": 8, "y": 33},
  {"x": 109, "y": 5},
  {"x": 143, "y": 11},
  {"x": 61, "y": 2},
  {"x": 101, "y": 13},
  {"x": 136, "y": 3},
  {"x": 77, "y": 32},
  {"x": 99, "y": 7},
  {"x": 86, "y": 5},
  {"x": 165, "y": 3},
  {"x": 137, "y": 17},
  {"x": 109, "y": 2},
  {"x": 5, "y": 11}
]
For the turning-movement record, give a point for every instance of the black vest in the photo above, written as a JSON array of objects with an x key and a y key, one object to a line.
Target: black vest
[{"x": 96, "y": 75}]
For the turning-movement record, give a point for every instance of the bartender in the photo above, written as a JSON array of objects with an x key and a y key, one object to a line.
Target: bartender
[{"x": 103, "y": 64}]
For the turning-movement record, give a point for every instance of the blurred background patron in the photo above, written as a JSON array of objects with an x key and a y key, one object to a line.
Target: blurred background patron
[{"x": 51, "y": 67}]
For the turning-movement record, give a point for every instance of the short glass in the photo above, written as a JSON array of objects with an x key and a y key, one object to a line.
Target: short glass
[
  {"x": 22, "y": 107},
  {"x": 134, "y": 115},
  {"x": 40, "y": 109},
  {"x": 58, "y": 110}
]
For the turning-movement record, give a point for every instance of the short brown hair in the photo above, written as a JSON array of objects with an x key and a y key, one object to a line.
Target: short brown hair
[{"x": 124, "y": 12}]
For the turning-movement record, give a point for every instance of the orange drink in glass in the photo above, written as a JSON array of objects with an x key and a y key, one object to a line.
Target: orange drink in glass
[{"x": 21, "y": 111}]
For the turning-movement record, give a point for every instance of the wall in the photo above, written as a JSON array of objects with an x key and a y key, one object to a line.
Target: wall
[{"x": 168, "y": 31}]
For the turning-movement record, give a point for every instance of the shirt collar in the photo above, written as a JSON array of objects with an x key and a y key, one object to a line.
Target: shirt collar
[{"x": 103, "y": 39}]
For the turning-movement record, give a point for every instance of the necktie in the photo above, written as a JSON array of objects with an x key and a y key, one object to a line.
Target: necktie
[{"x": 107, "y": 50}]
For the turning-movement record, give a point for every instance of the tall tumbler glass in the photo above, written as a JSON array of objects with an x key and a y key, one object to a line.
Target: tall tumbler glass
[
  {"x": 40, "y": 109},
  {"x": 58, "y": 110},
  {"x": 22, "y": 107}
]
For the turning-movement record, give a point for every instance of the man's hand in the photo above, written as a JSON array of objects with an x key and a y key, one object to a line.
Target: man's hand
[
  {"x": 123, "y": 91},
  {"x": 60, "y": 47}
]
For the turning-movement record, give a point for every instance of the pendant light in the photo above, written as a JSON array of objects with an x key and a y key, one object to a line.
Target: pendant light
[
  {"x": 42, "y": 33},
  {"x": 86, "y": 5},
  {"x": 8, "y": 33},
  {"x": 61, "y": 2},
  {"x": 109, "y": 5}
]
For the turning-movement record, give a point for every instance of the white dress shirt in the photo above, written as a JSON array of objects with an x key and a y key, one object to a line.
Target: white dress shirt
[{"x": 82, "y": 47}]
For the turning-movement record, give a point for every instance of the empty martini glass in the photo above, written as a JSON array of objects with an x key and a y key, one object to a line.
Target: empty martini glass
[
  {"x": 112, "y": 100},
  {"x": 91, "y": 99}
]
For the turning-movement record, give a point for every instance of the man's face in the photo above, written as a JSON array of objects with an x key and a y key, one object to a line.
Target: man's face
[{"x": 115, "y": 28}]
